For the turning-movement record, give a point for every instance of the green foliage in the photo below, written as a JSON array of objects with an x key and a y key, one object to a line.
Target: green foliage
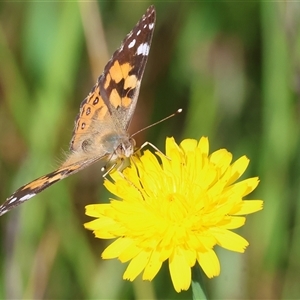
[{"x": 234, "y": 69}]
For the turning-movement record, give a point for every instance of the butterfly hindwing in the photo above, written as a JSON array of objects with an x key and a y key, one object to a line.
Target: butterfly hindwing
[{"x": 92, "y": 119}]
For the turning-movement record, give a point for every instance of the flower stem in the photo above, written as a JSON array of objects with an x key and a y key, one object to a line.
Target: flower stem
[{"x": 198, "y": 287}]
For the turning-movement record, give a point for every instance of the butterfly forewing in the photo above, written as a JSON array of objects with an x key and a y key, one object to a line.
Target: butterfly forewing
[
  {"x": 29, "y": 190},
  {"x": 112, "y": 101},
  {"x": 100, "y": 131},
  {"x": 121, "y": 80}
]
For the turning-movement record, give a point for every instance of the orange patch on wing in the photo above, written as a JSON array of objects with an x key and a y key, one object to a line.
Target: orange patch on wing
[
  {"x": 41, "y": 181},
  {"x": 100, "y": 107},
  {"x": 126, "y": 102},
  {"x": 115, "y": 72},
  {"x": 126, "y": 68},
  {"x": 107, "y": 81},
  {"x": 115, "y": 98},
  {"x": 102, "y": 112},
  {"x": 130, "y": 82}
]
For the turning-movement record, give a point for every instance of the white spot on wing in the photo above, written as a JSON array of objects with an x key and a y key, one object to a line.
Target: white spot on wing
[
  {"x": 151, "y": 26},
  {"x": 138, "y": 33},
  {"x": 2, "y": 212},
  {"x": 12, "y": 200},
  {"x": 26, "y": 197},
  {"x": 131, "y": 44},
  {"x": 143, "y": 49}
]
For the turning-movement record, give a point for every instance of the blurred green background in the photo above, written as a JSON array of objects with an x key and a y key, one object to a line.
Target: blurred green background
[{"x": 234, "y": 67}]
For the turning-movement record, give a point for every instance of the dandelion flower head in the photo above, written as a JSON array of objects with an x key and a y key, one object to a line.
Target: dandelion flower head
[{"x": 177, "y": 209}]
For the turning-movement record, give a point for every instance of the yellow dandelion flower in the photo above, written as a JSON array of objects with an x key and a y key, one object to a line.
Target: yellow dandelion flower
[{"x": 176, "y": 210}]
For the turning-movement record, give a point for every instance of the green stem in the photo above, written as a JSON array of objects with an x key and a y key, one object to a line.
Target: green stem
[{"x": 198, "y": 286}]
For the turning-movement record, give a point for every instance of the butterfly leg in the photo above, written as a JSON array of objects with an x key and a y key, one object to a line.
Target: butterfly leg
[
  {"x": 118, "y": 165},
  {"x": 107, "y": 171},
  {"x": 154, "y": 147}
]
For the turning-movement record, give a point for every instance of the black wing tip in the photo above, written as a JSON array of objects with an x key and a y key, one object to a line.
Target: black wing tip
[
  {"x": 15, "y": 200},
  {"x": 150, "y": 13},
  {"x": 150, "y": 10}
]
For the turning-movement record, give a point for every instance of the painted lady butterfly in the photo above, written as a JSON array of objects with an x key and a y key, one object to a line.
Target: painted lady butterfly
[{"x": 100, "y": 131}]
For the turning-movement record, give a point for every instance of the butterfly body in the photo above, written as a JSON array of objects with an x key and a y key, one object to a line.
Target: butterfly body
[{"x": 101, "y": 126}]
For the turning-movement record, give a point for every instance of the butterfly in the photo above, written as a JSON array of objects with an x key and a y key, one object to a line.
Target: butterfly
[{"x": 100, "y": 131}]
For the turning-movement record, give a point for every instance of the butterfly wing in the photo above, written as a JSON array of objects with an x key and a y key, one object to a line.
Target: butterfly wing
[
  {"x": 29, "y": 190},
  {"x": 121, "y": 79},
  {"x": 104, "y": 114}
]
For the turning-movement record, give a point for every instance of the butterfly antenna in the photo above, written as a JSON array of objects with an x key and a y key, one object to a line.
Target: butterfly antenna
[{"x": 162, "y": 120}]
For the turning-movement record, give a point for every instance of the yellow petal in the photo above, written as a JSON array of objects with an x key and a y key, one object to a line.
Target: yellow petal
[
  {"x": 153, "y": 266},
  {"x": 222, "y": 159},
  {"x": 180, "y": 270},
  {"x": 209, "y": 262},
  {"x": 116, "y": 248},
  {"x": 242, "y": 188},
  {"x": 232, "y": 222},
  {"x": 96, "y": 210},
  {"x": 136, "y": 266},
  {"x": 129, "y": 252},
  {"x": 230, "y": 240},
  {"x": 250, "y": 206},
  {"x": 238, "y": 168},
  {"x": 203, "y": 145},
  {"x": 188, "y": 145}
]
